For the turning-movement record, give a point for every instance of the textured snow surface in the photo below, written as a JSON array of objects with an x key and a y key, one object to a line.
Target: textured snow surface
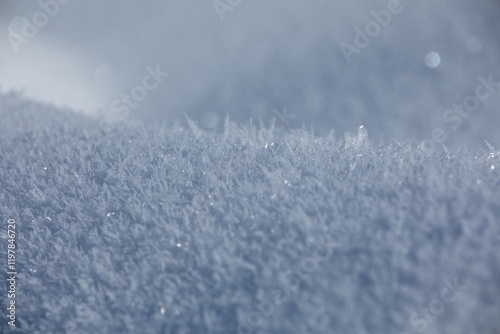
[{"x": 126, "y": 228}]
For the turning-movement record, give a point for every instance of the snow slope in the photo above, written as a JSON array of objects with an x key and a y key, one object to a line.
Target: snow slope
[{"x": 132, "y": 228}]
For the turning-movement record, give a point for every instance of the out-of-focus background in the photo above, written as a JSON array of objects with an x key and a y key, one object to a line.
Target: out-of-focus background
[{"x": 329, "y": 64}]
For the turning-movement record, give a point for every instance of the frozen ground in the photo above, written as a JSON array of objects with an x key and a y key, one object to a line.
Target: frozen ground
[{"x": 125, "y": 228}]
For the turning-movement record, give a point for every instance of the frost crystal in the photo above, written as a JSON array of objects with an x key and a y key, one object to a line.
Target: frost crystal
[{"x": 357, "y": 141}]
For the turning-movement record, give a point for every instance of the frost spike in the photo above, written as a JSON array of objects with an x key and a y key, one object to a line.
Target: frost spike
[
  {"x": 491, "y": 147},
  {"x": 192, "y": 125},
  {"x": 227, "y": 126}
]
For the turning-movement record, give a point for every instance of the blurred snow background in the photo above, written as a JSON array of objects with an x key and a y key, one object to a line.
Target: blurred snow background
[{"x": 263, "y": 55}]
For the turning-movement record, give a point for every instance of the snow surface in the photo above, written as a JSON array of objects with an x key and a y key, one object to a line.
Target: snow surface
[{"x": 130, "y": 228}]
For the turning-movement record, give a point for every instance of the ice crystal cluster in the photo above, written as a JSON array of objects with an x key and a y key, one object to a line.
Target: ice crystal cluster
[{"x": 130, "y": 228}]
